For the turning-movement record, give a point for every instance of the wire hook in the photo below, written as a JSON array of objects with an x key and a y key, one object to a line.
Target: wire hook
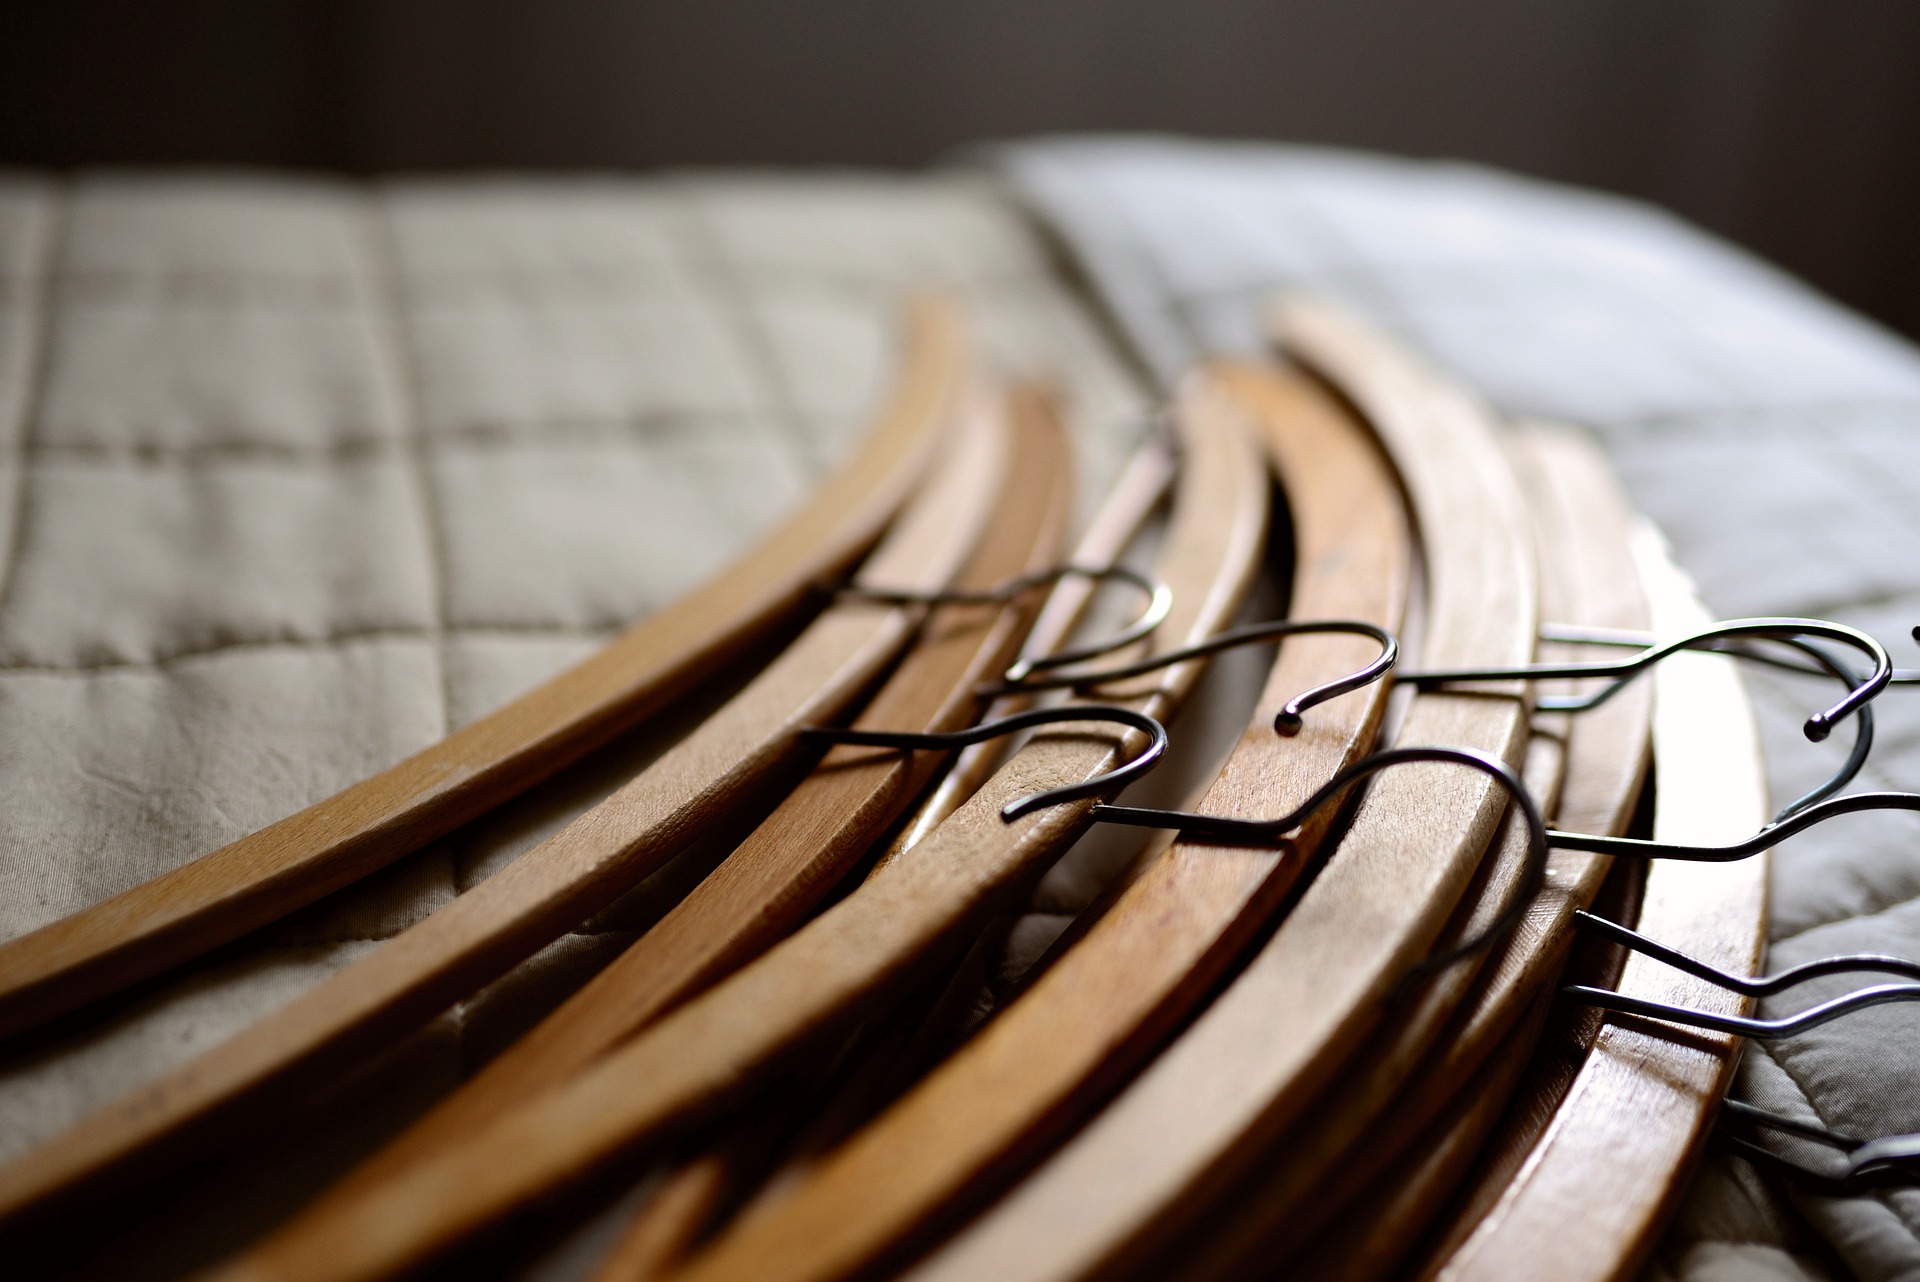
[
  {"x": 1222, "y": 830},
  {"x": 1763, "y": 986},
  {"x": 1773, "y": 833},
  {"x": 1159, "y": 605},
  {"x": 1112, "y": 780},
  {"x": 1817, "y": 727},
  {"x": 1288, "y": 721}
]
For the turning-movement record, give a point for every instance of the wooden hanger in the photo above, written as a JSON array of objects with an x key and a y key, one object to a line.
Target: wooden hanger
[
  {"x": 672, "y": 1219},
  {"x": 720, "y": 1047},
  {"x": 1592, "y": 1194},
  {"x": 408, "y": 980},
  {"x": 1213, "y": 1102},
  {"x": 1112, "y": 997},
  {"x": 244, "y": 885},
  {"x": 768, "y": 886},
  {"x": 1378, "y": 1127}
]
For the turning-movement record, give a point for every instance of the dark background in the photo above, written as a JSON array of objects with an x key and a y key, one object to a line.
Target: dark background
[{"x": 1792, "y": 126}]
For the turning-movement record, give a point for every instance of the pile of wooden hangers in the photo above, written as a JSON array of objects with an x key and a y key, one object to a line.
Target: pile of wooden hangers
[{"x": 1318, "y": 1032}]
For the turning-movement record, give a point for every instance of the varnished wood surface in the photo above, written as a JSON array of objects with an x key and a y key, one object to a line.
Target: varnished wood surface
[
  {"x": 1602, "y": 1178},
  {"x": 665, "y": 1227},
  {"x": 1140, "y": 489},
  {"x": 848, "y": 961},
  {"x": 1373, "y": 1238},
  {"x": 766, "y": 887},
  {"x": 1160, "y": 1153},
  {"x": 1161, "y": 946},
  {"x": 1440, "y": 1037},
  {"x": 560, "y": 882},
  {"x": 295, "y": 861}
]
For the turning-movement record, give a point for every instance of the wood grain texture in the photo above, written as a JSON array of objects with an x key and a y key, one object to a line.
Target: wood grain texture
[
  {"x": 1372, "y": 1238},
  {"x": 1191, "y": 1124},
  {"x": 767, "y": 886},
  {"x": 845, "y": 963},
  {"x": 1140, "y": 489},
  {"x": 559, "y": 883},
  {"x": 1599, "y": 1183},
  {"x": 1443, "y": 1033},
  {"x": 1160, "y": 948},
  {"x": 663, "y": 1230},
  {"x": 297, "y": 860}
]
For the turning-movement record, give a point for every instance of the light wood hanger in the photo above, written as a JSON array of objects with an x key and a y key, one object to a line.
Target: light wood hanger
[
  {"x": 408, "y": 980},
  {"x": 719, "y": 1047},
  {"x": 1592, "y": 1194},
  {"x": 246, "y": 884},
  {"x": 1113, "y": 996},
  {"x": 667, "y": 1225},
  {"x": 768, "y": 886},
  {"x": 1379, "y": 1127},
  {"x": 1157, "y": 1156}
]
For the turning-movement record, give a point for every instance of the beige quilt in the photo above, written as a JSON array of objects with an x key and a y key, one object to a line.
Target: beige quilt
[{"x": 296, "y": 475}]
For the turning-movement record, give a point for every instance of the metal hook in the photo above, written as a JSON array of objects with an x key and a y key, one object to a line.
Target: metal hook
[
  {"x": 1250, "y": 832},
  {"x": 1288, "y": 721},
  {"x": 1824, "y": 665},
  {"x": 1159, "y": 605},
  {"x": 1112, "y": 780},
  {"x": 1773, "y": 833},
  {"x": 1884, "y": 1163},
  {"x": 1763, "y": 986},
  {"x": 1817, "y": 727},
  {"x": 1884, "y": 1156}
]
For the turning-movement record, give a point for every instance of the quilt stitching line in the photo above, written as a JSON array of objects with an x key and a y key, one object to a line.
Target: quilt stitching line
[
  {"x": 705, "y": 250},
  {"x": 389, "y": 313},
  {"x": 34, "y": 379},
  {"x": 331, "y": 641}
]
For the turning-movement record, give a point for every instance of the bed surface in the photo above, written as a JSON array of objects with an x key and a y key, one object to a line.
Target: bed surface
[{"x": 295, "y": 475}]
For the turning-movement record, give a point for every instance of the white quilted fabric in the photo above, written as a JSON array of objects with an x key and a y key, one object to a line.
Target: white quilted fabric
[
  {"x": 1773, "y": 435},
  {"x": 299, "y": 474}
]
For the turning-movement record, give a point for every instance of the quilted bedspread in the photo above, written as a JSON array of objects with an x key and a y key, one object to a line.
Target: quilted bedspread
[{"x": 295, "y": 475}]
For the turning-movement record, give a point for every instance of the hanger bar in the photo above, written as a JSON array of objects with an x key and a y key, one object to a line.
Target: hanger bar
[
  {"x": 1141, "y": 488},
  {"x": 1371, "y": 1239},
  {"x": 1439, "y": 1045},
  {"x": 1142, "y": 1171},
  {"x": 751, "y": 741},
  {"x": 1112, "y": 997},
  {"x": 1591, "y": 1193},
  {"x": 716, "y": 1050},
  {"x": 672, "y": 1219},
  {"x": 777, "y": 876},
  {"x": 220, "y": 896}
]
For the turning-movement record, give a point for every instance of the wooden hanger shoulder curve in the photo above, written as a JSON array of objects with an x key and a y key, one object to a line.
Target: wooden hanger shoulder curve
[
  {"x": 663, "y": 1230},
  {"x": 1440, "y": 1046},
  {"x": 246, "y": 884},
  {"x": 1111, "y": 997},
  {"x": 409, "y": 979},
  {"x": 1593, "y": 1193},
  {"x": 778, "y": 874},
  {"x": 720, "y": 1046},
  {"x": 1139, "y": 1173}
]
